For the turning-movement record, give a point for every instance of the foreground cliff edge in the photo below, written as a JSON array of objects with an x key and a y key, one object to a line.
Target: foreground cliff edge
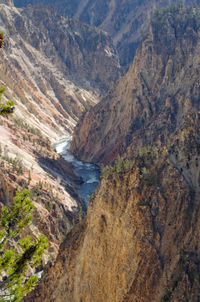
[{"x": 140, "y": 238}]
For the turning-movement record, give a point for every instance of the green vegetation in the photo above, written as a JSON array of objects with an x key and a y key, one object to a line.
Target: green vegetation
[
  {"x": 174, "y": 8},
  {"x": 180, "y": 12},
  {"x": 1, "y": 39},
  {"x": 166, "y": 297},
  {"x": 18, "y": 254},
  {"x": 147, "y": 152},
  {"x": 27, "y": 127},
  {"x": 15, "y": 163},
  {"x": 80, "y": 213},
  {"x": 8, "y": 107},
  {"x": 149, "y": 162},
  {"x": 120, "y": 165}
]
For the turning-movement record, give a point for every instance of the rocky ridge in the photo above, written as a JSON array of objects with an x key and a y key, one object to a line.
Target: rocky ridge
[
  {"x": 139, "y": 241},
  {"x": 125, "y": 21},
  {"x": 153, "y": 100},
  {"x": 48, "y": 62}
]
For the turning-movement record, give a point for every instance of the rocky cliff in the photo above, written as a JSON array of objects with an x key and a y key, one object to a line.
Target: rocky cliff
[
  {"x": 152, "y": 101},
  {"x": 27, "y": 160},
  {"x": 54, "y": 69},
  {"x": 126, "y": 21},
  {"x": 139, "y": 241},
  {"x": 57, "y": 67}
]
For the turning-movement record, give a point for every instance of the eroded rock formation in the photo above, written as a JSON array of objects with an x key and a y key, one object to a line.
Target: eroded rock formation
[
  {"x": 153, "y": 100},
  {"x": 53, "y": 68},
  {"x": 139, "y": 241},
  {"x": 126, "y": 21}
]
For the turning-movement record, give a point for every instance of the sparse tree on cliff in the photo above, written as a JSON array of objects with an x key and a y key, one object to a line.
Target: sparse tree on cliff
[
  {"x": 9, "y": 106},
  {"x": 18, "y": 254},
  {"x": 1, "y": 39}
]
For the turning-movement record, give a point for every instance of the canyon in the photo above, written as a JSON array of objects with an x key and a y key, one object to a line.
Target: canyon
[
  {"x": 151, "y": 102},
  {"x": 125, "y": 21},
  {"x": 53, "y": 68},
  {"x": 139, "y": 240}
]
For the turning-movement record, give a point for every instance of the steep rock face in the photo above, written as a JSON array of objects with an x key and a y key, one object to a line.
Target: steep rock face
[
  {"x": 54, "y": 69},
  {"x": 125, "y": 21},
  {"x": 152, "y": 101},
  {"x": 57, "y": 67},
  {"x": 27, "y": 160},
  {"x": 139, "y": 241}
]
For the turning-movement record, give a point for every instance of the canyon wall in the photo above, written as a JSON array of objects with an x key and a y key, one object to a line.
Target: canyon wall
[
  {"x": 139, "y": 241},
  {"x": 152, "y": 101},
  {"x": 53, "y": 68},
  {"x": 125, "y": 21}
]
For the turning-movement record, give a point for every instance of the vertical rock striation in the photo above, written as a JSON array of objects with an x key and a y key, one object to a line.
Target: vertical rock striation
[
  {"x": 152, "y": 101},
  {"x": 53, "y": 65},
  {"x": 53, "y": 68},
  {"x": 139, "y": 241},
  {"x": 125, "y": 21}
]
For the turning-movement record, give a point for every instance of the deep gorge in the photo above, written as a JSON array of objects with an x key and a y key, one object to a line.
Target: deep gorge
[
  {"x": 89, "y": 173},
  {"x": 138, "y": 240}
]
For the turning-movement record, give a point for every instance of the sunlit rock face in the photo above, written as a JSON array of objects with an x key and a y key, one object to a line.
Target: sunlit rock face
[
  {"x": 152, "y": 101},
  {"x": 126, "y": 21},
  {"x": 139, "y": 241},
  {"x": 135, "y": 244},
  {"x": 54, "y": 69},
  {"x": 57, "y": 67}
]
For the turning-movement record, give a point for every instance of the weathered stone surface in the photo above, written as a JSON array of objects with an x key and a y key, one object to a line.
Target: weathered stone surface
[
  {"x": 135, "y": 244},
  {"x": 139, "y": 241},
  {"x": 152, "y": 100},
  {"x": 125, "y": 21},
  {"x": 54, "y": 66},
  {"x": 52, "y": 182}
]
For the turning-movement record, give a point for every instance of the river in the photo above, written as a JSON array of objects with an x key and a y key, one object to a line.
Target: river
[{"x": 90, "y": 173}]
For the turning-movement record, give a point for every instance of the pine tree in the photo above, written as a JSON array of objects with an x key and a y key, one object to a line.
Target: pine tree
[
  {"x": 9, "y": 106},
  {"x": 1, "y": 39},
  {"x": 17, "y": 254}
]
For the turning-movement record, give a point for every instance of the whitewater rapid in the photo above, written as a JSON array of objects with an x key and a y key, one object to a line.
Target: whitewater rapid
[{"x": 90, "y": 173}]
